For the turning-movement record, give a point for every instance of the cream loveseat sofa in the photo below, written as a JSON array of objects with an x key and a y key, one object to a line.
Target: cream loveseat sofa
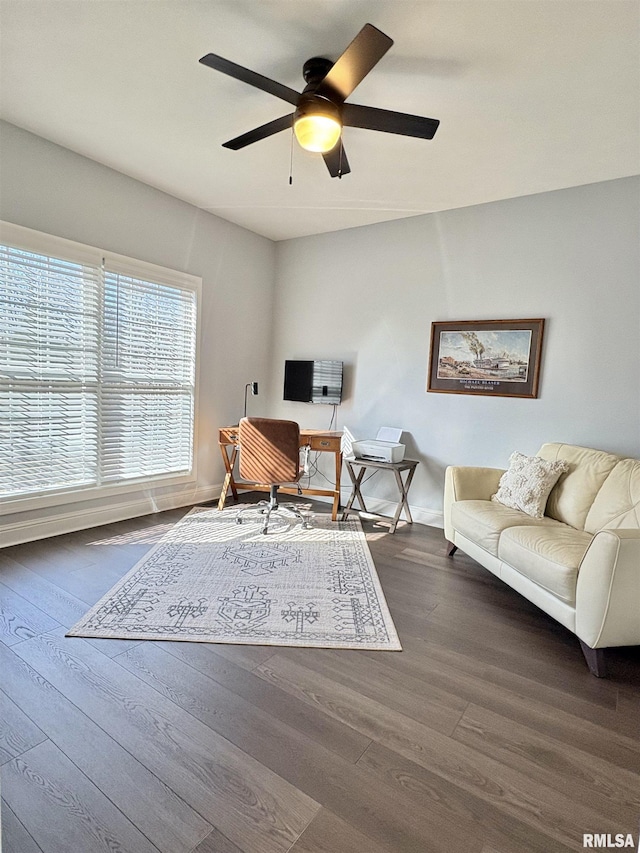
[{"x": 580, "y": 563}]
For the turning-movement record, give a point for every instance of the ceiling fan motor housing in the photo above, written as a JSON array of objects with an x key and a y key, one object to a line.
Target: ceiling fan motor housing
[
  {"x": 310, "y": 103},
  {"x": 316, "y": 69}
]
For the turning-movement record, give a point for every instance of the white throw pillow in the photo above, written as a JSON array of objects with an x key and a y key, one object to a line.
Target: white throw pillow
[{"x": 528, "y": 482}]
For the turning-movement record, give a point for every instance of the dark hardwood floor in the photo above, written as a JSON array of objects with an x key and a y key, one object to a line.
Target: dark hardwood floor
[{"x": 486, "y": 734}]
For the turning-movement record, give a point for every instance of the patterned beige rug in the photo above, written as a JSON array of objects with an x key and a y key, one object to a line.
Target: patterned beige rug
[{"x": 210, "y": 580}]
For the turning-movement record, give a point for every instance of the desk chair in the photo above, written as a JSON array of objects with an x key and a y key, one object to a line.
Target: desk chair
[{"x": 270, "y": 455}]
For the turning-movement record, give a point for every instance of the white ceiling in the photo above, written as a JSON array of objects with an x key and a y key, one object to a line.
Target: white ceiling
[{"x": 532, "y": 95}]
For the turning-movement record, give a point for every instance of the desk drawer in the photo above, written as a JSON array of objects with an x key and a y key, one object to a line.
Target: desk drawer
[
  {"x": 324, "y": 442},
  {"x": 228, "y": 435}
]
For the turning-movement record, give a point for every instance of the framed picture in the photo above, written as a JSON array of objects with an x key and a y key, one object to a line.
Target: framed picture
[{"x": 495, "y": 357}]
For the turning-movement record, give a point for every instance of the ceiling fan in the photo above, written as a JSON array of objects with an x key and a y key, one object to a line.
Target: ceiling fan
[{"x": 320, "y": 109}]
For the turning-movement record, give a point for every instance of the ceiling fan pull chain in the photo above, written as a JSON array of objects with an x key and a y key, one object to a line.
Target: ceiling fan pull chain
[
  {"x": 340, "y": 163},
  {"x": 291, "y": 159}
]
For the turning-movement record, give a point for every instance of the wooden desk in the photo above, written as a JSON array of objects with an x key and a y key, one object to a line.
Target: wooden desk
[
  {"x": 319, "y": 440},
  {"x": 403, "y": 486}
]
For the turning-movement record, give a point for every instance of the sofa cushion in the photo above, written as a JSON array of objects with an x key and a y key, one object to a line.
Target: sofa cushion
[
  {"x": 527, "y": 483},
  {"x": 571, "y": 498},
  {"x": 617, "y": 504},
  {"x": 484, "y": 521},
  {"x": 548, "y": 557}
]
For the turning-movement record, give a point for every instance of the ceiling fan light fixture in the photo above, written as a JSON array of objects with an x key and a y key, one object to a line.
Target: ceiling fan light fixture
[
  {"x": 317, "y": 133},
  {"x": 317, "y": 125}
]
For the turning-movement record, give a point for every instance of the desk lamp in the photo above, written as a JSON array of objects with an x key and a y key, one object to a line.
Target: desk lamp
[{"x": 254, "y": 391}]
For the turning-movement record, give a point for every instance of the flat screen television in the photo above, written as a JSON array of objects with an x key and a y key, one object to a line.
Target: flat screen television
[{"x": 317, "y": 381}]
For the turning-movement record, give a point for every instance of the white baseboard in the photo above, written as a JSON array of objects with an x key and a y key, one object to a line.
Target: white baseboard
[
  {"x": 70, "y": 520},
  {"x": 73, "y": 517},
  {"x": 420, "y": 514}
]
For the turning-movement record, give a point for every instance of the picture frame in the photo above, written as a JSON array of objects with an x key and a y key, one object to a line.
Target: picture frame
[{"x": 498, "y": 358}]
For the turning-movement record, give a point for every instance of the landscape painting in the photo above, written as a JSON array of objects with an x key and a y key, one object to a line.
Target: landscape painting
[{"x": 495, "y": 357}]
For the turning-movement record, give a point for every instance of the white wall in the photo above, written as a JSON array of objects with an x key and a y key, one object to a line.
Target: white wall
[
  {"x": 54, "y": 190},
  {"x": 369, "y": 295}
]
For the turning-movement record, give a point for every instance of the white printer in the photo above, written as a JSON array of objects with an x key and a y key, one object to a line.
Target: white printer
[{"x": 385, "y": 447}]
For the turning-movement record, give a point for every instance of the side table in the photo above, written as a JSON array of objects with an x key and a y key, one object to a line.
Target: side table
[{"x": 403, "y": 486}]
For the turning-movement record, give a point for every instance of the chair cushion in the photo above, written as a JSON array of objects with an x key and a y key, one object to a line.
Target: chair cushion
[
  {"x": 484, "y": 521},
  {"x": 548, "y": 557},
  {"x": 527, "y": 483}
]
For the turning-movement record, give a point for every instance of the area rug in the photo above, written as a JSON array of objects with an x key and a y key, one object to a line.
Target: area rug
[{"x": 211, "y": 580}]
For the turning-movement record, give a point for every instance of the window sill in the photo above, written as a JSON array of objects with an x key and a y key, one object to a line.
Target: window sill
[{"x": 11, "y": 506}]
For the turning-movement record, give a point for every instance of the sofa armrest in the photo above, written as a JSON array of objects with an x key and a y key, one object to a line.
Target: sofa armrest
[
  {"x": 608, "y": 590},
  {"x": 467, "y": 483}
]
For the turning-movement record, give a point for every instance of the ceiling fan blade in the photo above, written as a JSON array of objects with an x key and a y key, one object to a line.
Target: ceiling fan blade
[
  {"x": 259, "y": 133},
  {"x": 365, "y": 51},
  {"x": 389, "y": 121},
  {"x": 218, "y": 63},
  {"x": 336, "y": 161}
]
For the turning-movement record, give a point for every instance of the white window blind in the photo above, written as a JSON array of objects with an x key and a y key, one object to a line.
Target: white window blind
[
  {"x": 148, "y": 372},
  {"x": 97, "y": 372}
]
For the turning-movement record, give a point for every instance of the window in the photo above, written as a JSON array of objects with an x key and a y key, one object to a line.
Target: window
[{"x": 97, "y": 367}]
